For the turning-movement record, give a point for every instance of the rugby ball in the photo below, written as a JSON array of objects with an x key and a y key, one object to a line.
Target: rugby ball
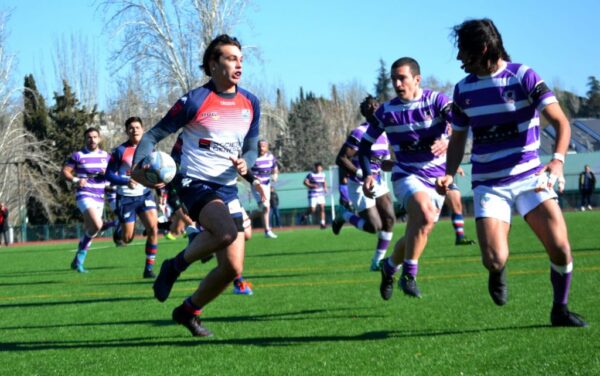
[{"x": 161, "y": 168}]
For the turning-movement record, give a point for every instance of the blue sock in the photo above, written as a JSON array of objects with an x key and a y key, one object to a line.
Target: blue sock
[{"x": 80, "y": 256}]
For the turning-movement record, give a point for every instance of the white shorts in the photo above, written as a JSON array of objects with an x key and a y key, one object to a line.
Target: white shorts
[
  {"x": 498, "y": 202},
  {"x": 406, "y": 187},
  {"x": 314, "y": 201},
  {"x": 358, "y": 198},
  {"x": 88, "y": 203},
  {"x": 267, "y": 189}
]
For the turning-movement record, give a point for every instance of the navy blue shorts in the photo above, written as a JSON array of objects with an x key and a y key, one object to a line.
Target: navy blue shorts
[
  {"x": 198, "y": 193},
  {"x": 129, "y": 206}
]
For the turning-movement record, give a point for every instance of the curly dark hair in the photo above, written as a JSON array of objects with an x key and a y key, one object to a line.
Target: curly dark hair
[{"x": 368, "y": 106}]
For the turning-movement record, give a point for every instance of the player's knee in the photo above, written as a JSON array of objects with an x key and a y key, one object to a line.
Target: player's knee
[
  {"x": 493, "y": 261},
  {"x": 226, "y": 236},
  {"x": 387, "y": 223}
]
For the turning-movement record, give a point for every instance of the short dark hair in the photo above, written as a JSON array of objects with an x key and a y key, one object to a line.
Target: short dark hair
[
  {"x": 415, "y": 69},
  {"x": 133, "y": 119},
  {"x": 90, "y": 130},
  {"x": 213, "y": 51},
  {"x": 318, "y": 164},
  {"x": 473, "y": 36}
]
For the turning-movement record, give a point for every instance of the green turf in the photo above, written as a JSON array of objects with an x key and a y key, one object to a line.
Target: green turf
[{"x": 316, "y": 310}]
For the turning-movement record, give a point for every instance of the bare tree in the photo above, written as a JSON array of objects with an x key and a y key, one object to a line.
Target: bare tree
[
  {"x": 25, "y": 169},
  {"x": 75, "y": 62},
  {"x": 168, "y": 37}
]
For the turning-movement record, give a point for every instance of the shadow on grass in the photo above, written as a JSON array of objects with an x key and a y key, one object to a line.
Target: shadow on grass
[
  {"x": 2, "y": 284},
  {"x": 308, "y": 252},
  {"x": 314, "y": 314},
  {"x": 70, "y": 302},
  {"x": 61, "y": 271},
  {"x": 257, "y": 341}
]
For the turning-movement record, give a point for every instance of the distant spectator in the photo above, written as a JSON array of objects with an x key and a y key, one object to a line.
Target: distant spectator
[
  {"x": 587, "y": 184},
  {"x": 4, "y": 223},
  {"x": 274, "y": 203},
  {"x": 317, "y": 187}
]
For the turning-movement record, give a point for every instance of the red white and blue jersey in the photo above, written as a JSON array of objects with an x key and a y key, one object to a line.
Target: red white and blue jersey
[
  {"x": 319, "y": 180},
  {"x": 215, "y": 127},
  {"x": 89, "y": 165},
  {"x": 176, "y": 150},
  {"x": 502, "y": 111},
  {"x": 412, "y": 127},
  {"x": 379, "y": 149},
  {"x": 119, "y": 170},
  {"x": 264, "y": 167}
]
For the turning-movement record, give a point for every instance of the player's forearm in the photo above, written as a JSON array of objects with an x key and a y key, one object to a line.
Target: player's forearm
[
  {"x": 250, "y": 150},
  {"x": 345, "y": 163},
  {"x": 364, "y": 157}
]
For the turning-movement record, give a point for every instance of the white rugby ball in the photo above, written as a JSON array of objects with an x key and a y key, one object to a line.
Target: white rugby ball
[{"x": 162, "y": 168}]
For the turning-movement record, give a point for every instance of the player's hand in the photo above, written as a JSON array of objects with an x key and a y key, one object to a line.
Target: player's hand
[
  {"x": 439, "y": 146},
  {"x": 369, "y": 186},
  {"x": 548, "y": 175},
  {"x": 443, "y": 183},
  {"x": 240, "y": 165},
  {"x": 460, "y": 171},
  {"x": 132, "y": 184},
  {"x": 137, "y": 174},
  {"x": 82, "y": 182}
]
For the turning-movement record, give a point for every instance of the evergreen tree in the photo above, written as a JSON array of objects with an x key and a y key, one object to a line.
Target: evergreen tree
[
  {"x": 569, "y": 102},
  {"x": 308, "y": 140},
  {"x": 592, "y": 104},
  {"x": 70, "y": 120},
  {"x": 383, "y": 84},
  {"x": 35, "y": 112},
  {"x": 37, "y": 122}
]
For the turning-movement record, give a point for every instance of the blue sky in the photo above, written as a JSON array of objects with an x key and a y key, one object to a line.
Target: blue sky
[{"x": 314, "y": 44}]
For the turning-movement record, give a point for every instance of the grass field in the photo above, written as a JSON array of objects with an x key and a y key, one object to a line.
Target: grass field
[{"x": 316, "y": 310}]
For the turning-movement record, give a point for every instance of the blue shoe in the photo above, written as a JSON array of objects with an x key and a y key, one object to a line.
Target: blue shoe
[
  {"x": 81, "y": 269},
  {"x": 375, "y": 267},
  {"x": 191, "y": 232},
  {"x": 242, "y": 288}
]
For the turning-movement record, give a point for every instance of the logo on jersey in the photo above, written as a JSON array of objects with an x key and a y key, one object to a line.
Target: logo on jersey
[
  {"x": 485, "y": 201},
  {"x": 213, "y": 115},
  {"x": 245, "y": 114},
  {"x": 509, "y": 96},
  {"x": 177, "y": 107},
  {"x": 428, "y": 115},
  {"x": 204, "y": 143}
]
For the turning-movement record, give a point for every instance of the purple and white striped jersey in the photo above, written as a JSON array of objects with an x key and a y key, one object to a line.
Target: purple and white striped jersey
[
  {"x": 412, "y": 127},
  {"x": 90, "y": 165},
  {"x": 503, "y": 112},
  {"x": 264, "y": 167},
  {"x": 379, "y": 150},
  {"x": 319, "y": 179}
]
